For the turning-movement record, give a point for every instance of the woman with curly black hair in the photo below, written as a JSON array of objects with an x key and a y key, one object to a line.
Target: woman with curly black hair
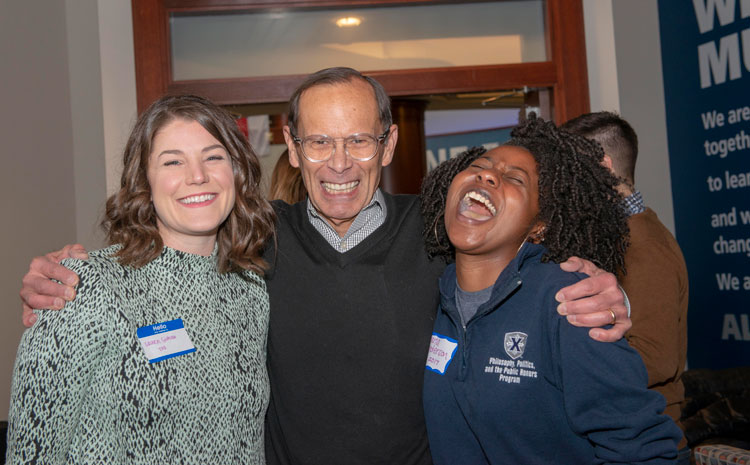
[{"x": 507, "y": 380}]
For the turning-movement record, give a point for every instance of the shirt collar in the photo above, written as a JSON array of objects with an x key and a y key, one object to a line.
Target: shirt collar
[
  {"x": 634, "y": 204},
  {"x": 367, "y": 221}
]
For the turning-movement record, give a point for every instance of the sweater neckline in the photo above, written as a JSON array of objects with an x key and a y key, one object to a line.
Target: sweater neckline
[
  {"x": 528, "y": 252},
  {"x": 311, "y": 238},
  {"x": 184, "y": 262}
]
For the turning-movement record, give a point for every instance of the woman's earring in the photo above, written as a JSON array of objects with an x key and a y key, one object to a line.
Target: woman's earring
[
  {"x": 434, "y": 230},
  {"x": 538, "y": 237}
]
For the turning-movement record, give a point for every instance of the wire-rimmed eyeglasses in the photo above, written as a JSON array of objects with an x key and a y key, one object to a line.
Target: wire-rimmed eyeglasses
[{"x": 360, "y": 147}]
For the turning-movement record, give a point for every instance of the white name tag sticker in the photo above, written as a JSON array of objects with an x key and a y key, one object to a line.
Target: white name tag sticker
[
  {"x": 165, "y": 340},
  {"x": 442, "y": 349}
]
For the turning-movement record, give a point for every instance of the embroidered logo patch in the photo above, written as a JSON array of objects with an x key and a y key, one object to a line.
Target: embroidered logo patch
[
  {"x": 442, "y": 349},
  {"x": 515, "y": 344}
]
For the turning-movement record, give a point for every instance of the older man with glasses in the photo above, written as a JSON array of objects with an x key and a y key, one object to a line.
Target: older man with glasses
[{"x": 353, "y": 294}]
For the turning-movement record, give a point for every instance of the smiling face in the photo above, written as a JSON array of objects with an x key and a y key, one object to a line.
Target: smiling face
[
  {"x": 491, "y": 206},
  {"x": 192, "y": 185},
  {"x": 340, "y": 187}
]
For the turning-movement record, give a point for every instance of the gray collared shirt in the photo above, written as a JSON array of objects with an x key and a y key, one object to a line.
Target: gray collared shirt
[
  {"x": 634, "y": 204},
  {"x": 367, "y": 221}
]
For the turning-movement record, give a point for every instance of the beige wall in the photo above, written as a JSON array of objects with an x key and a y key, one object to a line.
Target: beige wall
[
  {"x": 68, "y": 99},
  {"x": 624, "y": 65},
  {"x": 86, "y": 121},
  {"x": 641, "y": 89},
  {"x": 38, "y": 195}
]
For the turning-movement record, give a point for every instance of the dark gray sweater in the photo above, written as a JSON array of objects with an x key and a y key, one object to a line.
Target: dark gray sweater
[{"x": 348, "y": 340}]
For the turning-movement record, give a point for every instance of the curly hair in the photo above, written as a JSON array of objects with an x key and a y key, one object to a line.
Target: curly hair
[
  {"x": 130, "y": 217},
  {"x": 578, "y": 204}
]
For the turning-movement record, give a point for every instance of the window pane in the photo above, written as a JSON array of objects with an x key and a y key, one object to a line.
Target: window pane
[{"x": 300, "y": 42}]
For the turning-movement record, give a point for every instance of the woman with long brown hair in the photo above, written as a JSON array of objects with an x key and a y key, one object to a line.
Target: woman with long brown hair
[{"x": 161, "y": 357}]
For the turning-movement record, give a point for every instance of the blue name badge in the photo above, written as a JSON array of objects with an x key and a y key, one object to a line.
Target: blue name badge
[{"x": 165, "y": 340}]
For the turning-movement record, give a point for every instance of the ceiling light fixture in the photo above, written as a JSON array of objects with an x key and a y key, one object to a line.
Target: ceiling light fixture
[{"x": 349, "y": 21}]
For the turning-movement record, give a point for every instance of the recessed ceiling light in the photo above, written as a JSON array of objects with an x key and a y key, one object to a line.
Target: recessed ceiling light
[{"x": 349, "y": 21}]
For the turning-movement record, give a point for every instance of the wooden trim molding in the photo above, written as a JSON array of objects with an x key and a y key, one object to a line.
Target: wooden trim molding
[
  {"x": 567, "y": 44},
  {"x": 151, "y": 47},
  {"x": 565, "y": 72},
  {"x": 561, "y": 80},
  {"x": 270, "y": 89},
  {"x": 202, "y": 6}
]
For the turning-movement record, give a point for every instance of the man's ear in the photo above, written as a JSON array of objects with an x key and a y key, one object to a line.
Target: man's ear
[
  {"x": 607, "y": 162},
  {"x": 292, "y": 146},
  {"x": 390, "y": 146}
]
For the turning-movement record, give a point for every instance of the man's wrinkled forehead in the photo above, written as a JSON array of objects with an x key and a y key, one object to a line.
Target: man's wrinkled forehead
[{"x": 366, "y": 97}]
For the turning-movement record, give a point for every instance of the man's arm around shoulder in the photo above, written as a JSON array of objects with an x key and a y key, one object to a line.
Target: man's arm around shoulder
[{"x": 39, "y": 291}]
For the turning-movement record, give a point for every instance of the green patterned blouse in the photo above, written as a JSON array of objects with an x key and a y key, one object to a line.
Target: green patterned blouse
[{"x": 84, "y": 391}]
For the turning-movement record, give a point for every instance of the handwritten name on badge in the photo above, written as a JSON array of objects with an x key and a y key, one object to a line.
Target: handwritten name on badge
[
  {"x": 442, "y": 349},
  {"x": 165, "y": 340}
]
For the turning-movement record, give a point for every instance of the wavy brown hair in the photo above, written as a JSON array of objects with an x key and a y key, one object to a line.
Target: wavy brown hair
[{"x": 130, "y": 218}]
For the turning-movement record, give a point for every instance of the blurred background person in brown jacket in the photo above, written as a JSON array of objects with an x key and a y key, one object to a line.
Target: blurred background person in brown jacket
[{"x": 656, "y": 280}]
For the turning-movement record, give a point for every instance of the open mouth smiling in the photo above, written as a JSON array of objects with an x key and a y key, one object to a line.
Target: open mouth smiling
[
  {"x": 333, "y": 188},
  {"x": 477, "y": 205},
  {"x": 197, "y": 199}
]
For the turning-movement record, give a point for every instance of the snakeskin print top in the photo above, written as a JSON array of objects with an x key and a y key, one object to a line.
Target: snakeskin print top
[{"x": 84, "y": 391}]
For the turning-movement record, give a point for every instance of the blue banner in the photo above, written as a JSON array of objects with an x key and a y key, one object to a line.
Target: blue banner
[
  {"x": 706, "y": 65},
  {"x": 444, "y": 147}
]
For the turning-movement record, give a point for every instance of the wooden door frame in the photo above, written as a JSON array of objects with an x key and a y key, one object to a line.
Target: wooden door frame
[{"x": 565, "y": 71}]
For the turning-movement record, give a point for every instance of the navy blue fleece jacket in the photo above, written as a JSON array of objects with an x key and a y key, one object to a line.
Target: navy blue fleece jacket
[{"x": 521, "y": 385}]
